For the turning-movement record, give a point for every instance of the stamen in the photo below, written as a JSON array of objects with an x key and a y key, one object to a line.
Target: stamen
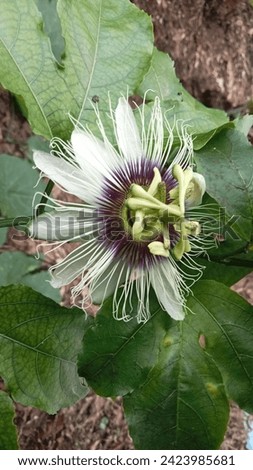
[
  {"x": 155, "y": 182},
  {"x": 192, "y": 227},
  {"x": 187, "y": 228},
  {"x": 183, "y": 246},
  {"x": 158, "y": 249}
]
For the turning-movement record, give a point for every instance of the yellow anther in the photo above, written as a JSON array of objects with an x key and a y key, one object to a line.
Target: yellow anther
[
  {"x": 158, "y": 249},
  {"x": 186, "y": 228},
  {"x": 192, "y": 227}
]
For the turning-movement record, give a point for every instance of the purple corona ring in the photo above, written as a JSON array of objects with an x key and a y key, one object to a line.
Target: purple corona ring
[
  {"x": 118, "y": 220},
  {"x": 136, "y": 222}
]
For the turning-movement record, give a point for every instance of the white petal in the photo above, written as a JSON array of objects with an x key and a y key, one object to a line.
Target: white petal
[
  {"x": 60, "y": 225},
  {"x": 72, "y": 179},
  {"x": 164, "y": 281},
  {"x": 127, "y": 131},
  {"x": 70, "y": 267},
  {"x": 91, "y": 154},
  {"x": 107, "y": 283},
  {"x": 199, "y": 188}
]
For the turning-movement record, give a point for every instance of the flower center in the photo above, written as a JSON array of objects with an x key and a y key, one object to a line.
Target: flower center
[{"x": 146, "y": 213}]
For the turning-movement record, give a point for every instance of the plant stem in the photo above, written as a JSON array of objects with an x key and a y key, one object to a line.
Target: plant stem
[
  {"x": 230, "y": 260},
  {"x": 16, "y": 222},
  {"x": 246, "y": 263},
  {"x": 41, "y": 207}
]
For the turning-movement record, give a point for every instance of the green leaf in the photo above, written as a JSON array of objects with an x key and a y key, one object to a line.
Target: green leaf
[
  {"x": 227, "y": 165},
  {"x": 161, "y": 80},
  {"x": 3, "y": 235},
  {"x": 110, "y": 60},
  {"x": 244, "y": 124},
  {"x": 175, "y": 394},
  {"x": 40, "y": 282},
  {"x": 35, "y": 142},
  {"x": 14, "y": 265},
  {"x": 16, "y": 194},
  {"x": 227, "y": 273},
  {"x": 108, "y": 48},
  {"x": 182, "y": 404},
  {"x": 230, "y": 260},
  {"x": 113, "y": 365},
  {"x": 204, "y": 137},
  {"x": 176, "y": 377},
  {"x": 52, "y": 26},
  {"x": 18, "y": 268},
  {"x": 8, "y": 433},
  {"x": 39, "y": 344},
  {"x": 244, "y": 259},
  {"x": 226, "y": 321},
  {"x": 28, "y": 65},
  {"x": 227, "y": 249}
]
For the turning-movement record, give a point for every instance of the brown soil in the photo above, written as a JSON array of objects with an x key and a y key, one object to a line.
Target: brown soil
[
  {"x": 92, "y": 423},
  {"x": 210, "y": 42}
]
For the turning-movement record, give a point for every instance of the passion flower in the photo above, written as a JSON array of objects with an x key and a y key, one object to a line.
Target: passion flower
[{"x": 134, "y": 224}]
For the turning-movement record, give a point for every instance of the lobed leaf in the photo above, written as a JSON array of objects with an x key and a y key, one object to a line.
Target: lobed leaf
[
  {"x": 182, "y": 403},
  {"x": 15, "y": 265},
  {"x": 244, "y": 124},
  {"x": 176, "y": 377},
  {"x": 108, "y": 49},
  {"x": 18, "y": 268},
  {"x": 35, "y": 142},
  {"x": 40, "y": 282},
  {"x": 108, "y": 46},
  {"x": 227, "y": 165},
  {"x": 161, "y": 80},
  {"x": 52, "y": 26},
  {"x": 117, "y": 356},
  {"x": 16, "y": 194},
  {"x": 39, "y": 344},
  {"x": 226, "y": 321},
  {"x": 28, "y": 67}
]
